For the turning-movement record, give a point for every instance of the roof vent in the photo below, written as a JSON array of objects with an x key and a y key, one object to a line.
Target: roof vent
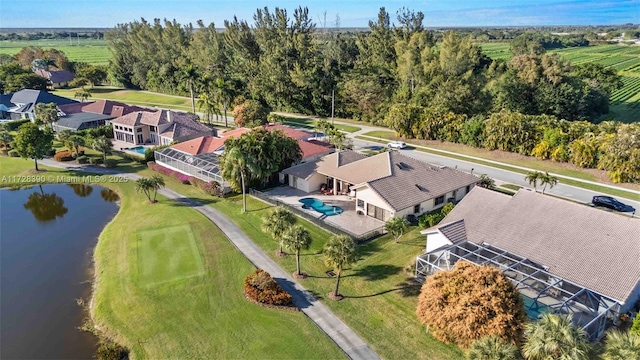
[
  {"x": 421, "y": 188},
  {"x": 402, "y": 165}
]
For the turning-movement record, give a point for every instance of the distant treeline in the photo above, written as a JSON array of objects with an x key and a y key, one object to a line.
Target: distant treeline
[{"x": 50, "y": 35}]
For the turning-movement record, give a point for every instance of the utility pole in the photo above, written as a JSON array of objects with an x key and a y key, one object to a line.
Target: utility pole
[{"x": 333, "y": 96}]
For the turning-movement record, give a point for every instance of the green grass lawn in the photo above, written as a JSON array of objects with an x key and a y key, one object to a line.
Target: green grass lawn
[
  {"x": 133, "y": 97},
  {"x": 190, "y": 316},
  {"x": 92, "y": 51},
  {"x": 311, "y": 123}
]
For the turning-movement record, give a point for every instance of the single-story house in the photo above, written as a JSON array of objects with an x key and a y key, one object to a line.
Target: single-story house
[
  {"x": 385, "y": 185},
  {"x": 57, "y": 78},
  {"x": 80, "y": 121},
  {"x": 23, "y": 103},
  {"x": 562, "y": 256},
  {"x": 157, "y": 128}
]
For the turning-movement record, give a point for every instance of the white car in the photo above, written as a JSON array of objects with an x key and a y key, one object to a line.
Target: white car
[{"x": 396, "y": 145}]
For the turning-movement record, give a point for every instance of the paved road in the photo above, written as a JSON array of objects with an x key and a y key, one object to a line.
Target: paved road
[{"x": 352, "y": 345}]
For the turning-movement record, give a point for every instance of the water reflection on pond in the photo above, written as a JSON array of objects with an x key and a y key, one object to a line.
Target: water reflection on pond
[{"x": 47, "y": 235}]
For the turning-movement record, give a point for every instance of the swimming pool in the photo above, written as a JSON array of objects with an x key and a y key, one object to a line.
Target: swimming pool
[
  {"x": 319, "y": 206},
  {"x": 535, "y": 308},
  {"x": 139, "y": 149}
]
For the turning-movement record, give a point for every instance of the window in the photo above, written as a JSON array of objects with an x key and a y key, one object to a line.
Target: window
[
  {"x": 360, "y": 203},
  {"x": 416, "y": 209},
  {"x": 455, "y": 192},
  {"x": 468, "y": 188},
  {"x": 152, "y": 128},
  {"x": 139, "y": 130},
  {"x": 439, "y": 200}
]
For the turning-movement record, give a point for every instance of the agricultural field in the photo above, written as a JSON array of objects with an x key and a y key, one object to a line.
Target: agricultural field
[
  {"x": 92, "y": 51},
  {"x": 625, "y": 102},
  {"x": 619, "y": 57},
  {"x": 496, "y": 50}
]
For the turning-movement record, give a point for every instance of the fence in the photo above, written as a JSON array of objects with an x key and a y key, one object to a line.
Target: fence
[{"x": 337, "y": 230}]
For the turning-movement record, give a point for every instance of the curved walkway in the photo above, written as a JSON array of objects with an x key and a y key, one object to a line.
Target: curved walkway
[{"x": 352, "y": 345}]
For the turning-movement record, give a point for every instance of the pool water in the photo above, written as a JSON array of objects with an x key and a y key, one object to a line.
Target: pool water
[
  {"x": 319, "y": 206},
  {"x": 138, "y": 149},
  {"x": 535, "y": 308}
]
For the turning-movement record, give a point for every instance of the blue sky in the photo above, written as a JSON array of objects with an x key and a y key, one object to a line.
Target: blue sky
[{"x": 353, "y": 13}]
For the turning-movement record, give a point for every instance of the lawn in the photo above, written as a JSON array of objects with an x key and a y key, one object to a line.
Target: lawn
[
  {"x": 193, "y": 307},
  {"x": 92, "y": 51},
  {"x": 133, "y": 97},
  {"x": 311, "y": 124},
  {"x": 380, "y": 298}
]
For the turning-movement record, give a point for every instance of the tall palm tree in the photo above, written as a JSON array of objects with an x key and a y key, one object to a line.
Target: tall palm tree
[
  {"x": 225, "y": 93},
  {"x": 555, "y": 337},
  {"x": 145, "y": 185},
  {"x": 74, "y": 142},
  {"x": 157, "y": 182},
  {"x": 339, "y": 252},
  {"x": 533, "y": 178},
  {"x": 486, "y": 182},
  {"x": 296, "y": 238},
  {"x": 237, "y": 164},
  {"x": 276, "y": 222},
  {"x": 547, "y": 179},
  {"x": 622, "y": 346},
  {"x": 190, "y": 75},
  {"x": 492, "y": 348},
  {"x": 209, "y": 106},
  {"x": 102, "y": 144}
]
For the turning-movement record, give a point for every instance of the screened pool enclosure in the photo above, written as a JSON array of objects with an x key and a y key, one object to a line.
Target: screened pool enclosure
[
  {"x": 541, "y": 291},
  {"x": 203, "y": 166}
]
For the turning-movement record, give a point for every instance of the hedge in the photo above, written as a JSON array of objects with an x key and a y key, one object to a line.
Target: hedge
[
  {"x": 149, "y": 153},
  {"x": 260, "y": 287},
  {"x": 95, "y": 160},
  {"x": 13, "y": 153},
  {"x": 14, "y": 125},
  {"x": 110, "y": 163},
  {"x": 185, "y": 179},
  {"x": 82, "y": 159}
]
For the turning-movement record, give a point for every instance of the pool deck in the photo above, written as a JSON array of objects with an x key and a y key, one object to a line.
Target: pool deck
[{"x": 348, "y": 221}]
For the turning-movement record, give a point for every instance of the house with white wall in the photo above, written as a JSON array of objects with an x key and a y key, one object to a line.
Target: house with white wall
[
  {"x": 157, "y": 128},
  {"x": 385, "y": 185}
]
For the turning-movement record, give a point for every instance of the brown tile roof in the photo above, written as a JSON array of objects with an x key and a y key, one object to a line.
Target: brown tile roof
[
  {"x": 72, "y": 108},
  {"x": 454, "y": 231},
  {"x": 201, "y": 145},
  {"x": 56, "y": 76},
  {"x": 413, "y": 181},
  {"x": 310, "y": 149},
  {"x": 235, "y": 132},
  {"x": 131, "y": 119},
  {"x": 290, "y": 132},
  {"x": 108, "y": 107},
  {"x": 593, "y": 248}
]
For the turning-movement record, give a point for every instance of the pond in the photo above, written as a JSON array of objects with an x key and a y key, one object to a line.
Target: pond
[{"x": 47, "y": 236}]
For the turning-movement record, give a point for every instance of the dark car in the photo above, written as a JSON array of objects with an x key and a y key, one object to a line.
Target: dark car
[{"x": 611, "y": 203}]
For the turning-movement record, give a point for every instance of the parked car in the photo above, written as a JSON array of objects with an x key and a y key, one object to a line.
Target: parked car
[
  {"x": 611, "y": 203},
  {"x": 396, "y": 145}
]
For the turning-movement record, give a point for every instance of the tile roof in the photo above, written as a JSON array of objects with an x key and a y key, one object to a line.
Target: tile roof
[
  {"x": 74, "y": 121},
  {"x": 180, "y": 124},
  {"x": 288, "y": 131},
  {"x": 56, "y": 76},
  {"x": 114, "y": 108},
  {"x": 31, "y": 97},
  {"x": 454, "y": 231},
  {"x": 200, "y": 145},
  {"x": 235, "y": 132},
  {"x": 593, "y": 248},
  {"x": 314, "y": 148},
  {"x": 413, "y": 181}
]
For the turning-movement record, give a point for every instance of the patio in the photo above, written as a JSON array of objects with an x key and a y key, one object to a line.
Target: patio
[{"x": 348, "y": 221}]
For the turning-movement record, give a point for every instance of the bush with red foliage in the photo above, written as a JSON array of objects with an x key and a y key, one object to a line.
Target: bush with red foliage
[
  {"x": 63, "y": 156},
  {"x": 185, "y": 179},
  {"x": 260, "y": 287}
]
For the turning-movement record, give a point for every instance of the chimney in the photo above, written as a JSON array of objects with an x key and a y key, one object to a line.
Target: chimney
[{"x": 169, "y": 115}]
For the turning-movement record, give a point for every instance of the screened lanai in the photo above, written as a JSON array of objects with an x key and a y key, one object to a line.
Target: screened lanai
[
  {"x": 541, "y": 291},
  {"x": 203, "y": 166}
]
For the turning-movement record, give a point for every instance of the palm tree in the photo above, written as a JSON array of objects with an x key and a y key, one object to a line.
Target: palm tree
[
  {"x": 45, "y": 207},
  {"x": 533, "y": 178},
  {"x": 145, "y": 185},
  {"x": 492, "y": 348},
  {"x": 555, "y": 337},
  {"x": 102, "y": 144},
  {"x": 209, "y": 106},
  {"x": 157, "y": 182},
  {"x": 339, "y": 252},
  {"x": 74, "y": 142},
  {"x": 396, "y": 227},
  {"x": 296, "y": 238},
  {"x": 547, "y": 179},
  {"x": 236, "y": 164},
  {"x": 225, "y": 92},
  {"x": 622, "y": 346},
  {"x": 486, "y": 182},
  {"x": 276, "y": 222},
  {"x": 190, "y": 74}
]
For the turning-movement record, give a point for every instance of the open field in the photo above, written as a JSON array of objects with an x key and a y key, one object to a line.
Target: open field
[
  {"x": 625, "y": 102},
  {"x": 191, "y": 316},
  {"x": 91, "y": 51},
  {"x": 133, "y": 97}
]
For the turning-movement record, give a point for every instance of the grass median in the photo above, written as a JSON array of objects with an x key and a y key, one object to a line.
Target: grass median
[
  {"x": 132, "y": 97},
  {"x": 312, "y": 123}
]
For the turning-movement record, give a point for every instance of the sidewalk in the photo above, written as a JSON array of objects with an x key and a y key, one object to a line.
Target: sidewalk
[{"x": 352, "y": 345}]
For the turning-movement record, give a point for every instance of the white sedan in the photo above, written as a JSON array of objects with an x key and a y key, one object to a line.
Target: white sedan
[{"x": 396, "y": 145}]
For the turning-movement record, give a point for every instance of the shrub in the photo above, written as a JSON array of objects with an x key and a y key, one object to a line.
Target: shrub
[
  {"x": 110, "y": 163},
  {"x": 149, "y": 153},
  {"x": 210, "y": 188},
  {"x": 4, "y": 152},
  {"x": 14, "y": 125},
  {"x": 95, "y": 160},
  {"x": 635, "y": 328},
  {"x": 111, "y": 351},
  {"x": 82, "y": 159},
  {"x": 185, "y": 179},
  {"x": 52, "y": 152},
  {"x": 428, "y": 220},
  {"x": 447, "y": 209},
  {"x": 65, "y": 155},
  {"x": 132, "y": 157},
  {"x": 470, "y": 302},
  {"x": 13, "y": 153},
  {"x": 260, "y": 287}
]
